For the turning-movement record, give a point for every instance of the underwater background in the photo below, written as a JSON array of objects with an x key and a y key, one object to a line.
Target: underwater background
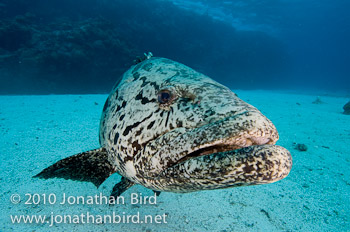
[
  {"x": 63, "y": 46},
  {"x": 291, "y": 59}
]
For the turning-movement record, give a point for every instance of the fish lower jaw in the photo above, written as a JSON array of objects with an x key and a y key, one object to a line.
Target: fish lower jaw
[
  {"x": 227, "y": 145},
  {"x": 253, "y": 165}
]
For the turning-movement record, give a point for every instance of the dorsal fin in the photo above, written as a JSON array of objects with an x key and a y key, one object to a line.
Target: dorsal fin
[{"x": 91, "y": 166}]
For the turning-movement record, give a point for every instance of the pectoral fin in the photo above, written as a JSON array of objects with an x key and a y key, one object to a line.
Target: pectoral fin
[
  {"x": 91, "y": 166},
  {"x": 121, "y": 187}
]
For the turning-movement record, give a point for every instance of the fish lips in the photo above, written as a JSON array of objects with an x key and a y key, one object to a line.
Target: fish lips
[
  {"x": 223, "y": 137},
  {"x": 253, "y": 165}
]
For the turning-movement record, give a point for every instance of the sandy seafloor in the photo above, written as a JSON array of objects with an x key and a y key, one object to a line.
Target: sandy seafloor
[{"x": 37, "y": 131}]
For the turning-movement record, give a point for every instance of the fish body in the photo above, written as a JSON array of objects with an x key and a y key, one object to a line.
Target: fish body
[{"x": 170, "y": 128}]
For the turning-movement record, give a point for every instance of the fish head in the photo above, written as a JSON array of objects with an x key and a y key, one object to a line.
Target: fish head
[{"x": 171, "y": 128}]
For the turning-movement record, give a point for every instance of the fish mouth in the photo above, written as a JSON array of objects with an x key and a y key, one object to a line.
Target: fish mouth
[
  {"x": 252, "y": 165},
  {"x": 259, "y": 133},
  {"x": 249, "y": 128},
  {"x": 224, "y": 166},
  {"x": 220, "y": 148},
  {"x": 235, "y": 151}
]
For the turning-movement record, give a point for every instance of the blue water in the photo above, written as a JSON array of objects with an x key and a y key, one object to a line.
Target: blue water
[
  {"x": 67, "y": 47},
  {"x": 314, "y": 35},
  {"x": 278, "y": 55}
]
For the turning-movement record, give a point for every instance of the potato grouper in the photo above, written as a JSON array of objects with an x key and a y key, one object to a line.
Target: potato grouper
[{"x": 170, "y": 128}]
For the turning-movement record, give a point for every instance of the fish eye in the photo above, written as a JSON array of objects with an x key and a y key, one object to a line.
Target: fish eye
[{"x": 164, "y": 96}]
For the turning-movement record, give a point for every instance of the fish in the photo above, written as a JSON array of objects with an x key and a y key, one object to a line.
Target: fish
[{"x": 172, "y": 129}]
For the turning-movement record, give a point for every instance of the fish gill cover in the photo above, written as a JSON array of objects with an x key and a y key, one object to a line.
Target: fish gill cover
[{"x": 84, "y": 46}]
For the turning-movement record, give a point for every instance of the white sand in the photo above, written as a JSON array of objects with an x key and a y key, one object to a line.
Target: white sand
[{"x": 37, "y": 131}]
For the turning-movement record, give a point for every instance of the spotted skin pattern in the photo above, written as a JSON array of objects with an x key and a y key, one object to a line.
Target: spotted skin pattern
[{"x": 204, "y": 137}]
